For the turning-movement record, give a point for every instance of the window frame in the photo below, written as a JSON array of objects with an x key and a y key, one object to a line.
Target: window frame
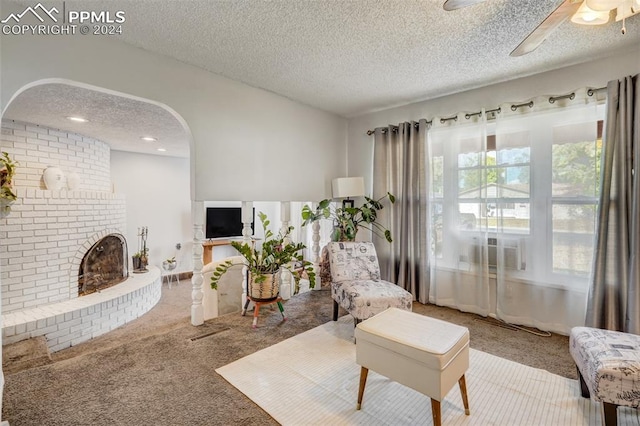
[{"x": 539, "y": 238}]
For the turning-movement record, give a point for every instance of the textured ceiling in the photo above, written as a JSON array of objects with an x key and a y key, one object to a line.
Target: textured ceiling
[
  {"x": 353, "y": 57},
  {"x": 116, "y": 120}
]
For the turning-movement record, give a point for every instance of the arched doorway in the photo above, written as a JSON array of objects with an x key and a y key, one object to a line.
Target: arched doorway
[{"x": 59, "y": 227}]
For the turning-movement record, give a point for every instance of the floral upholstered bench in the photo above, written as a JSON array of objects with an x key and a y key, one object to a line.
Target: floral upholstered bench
[
  {"x": 356, "y": 285},
  {"x": 608, "y": 368}
]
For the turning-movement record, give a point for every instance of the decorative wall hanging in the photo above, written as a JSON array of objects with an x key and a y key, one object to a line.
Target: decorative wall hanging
[{"x": 53, "y": 178}]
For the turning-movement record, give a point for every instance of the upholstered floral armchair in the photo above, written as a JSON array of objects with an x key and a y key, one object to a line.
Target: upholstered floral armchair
[{"x": 356, "y": 285}]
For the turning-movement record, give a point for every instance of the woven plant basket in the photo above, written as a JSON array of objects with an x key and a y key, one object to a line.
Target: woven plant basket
[{"x": 266, "y": 290}]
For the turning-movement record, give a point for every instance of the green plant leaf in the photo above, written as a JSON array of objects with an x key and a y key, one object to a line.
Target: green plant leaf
[{"x": 306, "y": 213}]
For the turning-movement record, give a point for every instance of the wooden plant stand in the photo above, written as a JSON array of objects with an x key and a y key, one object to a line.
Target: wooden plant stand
[{"x": 260, "y": 302}]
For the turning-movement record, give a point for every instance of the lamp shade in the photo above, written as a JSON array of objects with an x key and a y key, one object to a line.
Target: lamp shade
[{"x": 347, "y": 187}]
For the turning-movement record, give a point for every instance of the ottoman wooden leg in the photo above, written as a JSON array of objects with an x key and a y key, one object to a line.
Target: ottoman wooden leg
[
  {"x": 363, "y": 381},
  {"x": 609, "y": 414},
  {"x": 336, "y": 307},
  {"x": 584, "y": 389},
  {"x": 435, "y": 412},
  {"x": 463, "y": 391}
]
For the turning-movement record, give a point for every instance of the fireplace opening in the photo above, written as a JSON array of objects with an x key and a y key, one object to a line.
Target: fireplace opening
[{"x": 104, "y": 265}]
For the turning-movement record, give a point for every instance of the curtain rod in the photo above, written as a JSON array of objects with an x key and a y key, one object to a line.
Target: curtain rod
[{"x": 552, "y": 99}]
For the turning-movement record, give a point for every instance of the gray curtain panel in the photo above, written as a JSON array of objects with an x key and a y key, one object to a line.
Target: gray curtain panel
[
  {"x": 614, "y": 294},
  {"x": 400, "y": 168}
]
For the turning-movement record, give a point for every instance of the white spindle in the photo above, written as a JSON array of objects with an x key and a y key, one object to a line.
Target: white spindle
[
  {"x": 315, "y": 248},
  {"x": 247, "y": 218},
  {"x": 286, "y": 286},
  {"x": 197, "y": 311}
]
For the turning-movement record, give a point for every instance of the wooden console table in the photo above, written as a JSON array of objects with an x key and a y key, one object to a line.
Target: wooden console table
[
  {"x": 208, "y": 246},
  {"x": 207, "y": 255}
]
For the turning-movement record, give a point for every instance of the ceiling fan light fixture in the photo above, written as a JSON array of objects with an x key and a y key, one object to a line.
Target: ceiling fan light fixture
[
  {"x": 603, "y": 5},
  {"x": 586, "y": 16},
  {"x": 627, "y": 9}
]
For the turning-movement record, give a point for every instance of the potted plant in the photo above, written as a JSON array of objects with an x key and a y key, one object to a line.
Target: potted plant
[
  {"x": 348, "y": 220},
  {"x": 141, "y": 257},
  {"x": 140, "y": 260},
  {"x": 7, "y": 171},
  {"x": 265, "y": 263},
  {"x": 170, "y": 264}
]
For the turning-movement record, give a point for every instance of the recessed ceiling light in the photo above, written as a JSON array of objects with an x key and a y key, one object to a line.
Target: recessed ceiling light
[
  {"x": 78, "y": 119},
  {"x": 148, "y": 138},
  {"x": 161, "y": 149}
]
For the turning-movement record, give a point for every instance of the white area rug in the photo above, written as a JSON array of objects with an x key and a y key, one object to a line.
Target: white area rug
[{"x": 312, "y": 379}]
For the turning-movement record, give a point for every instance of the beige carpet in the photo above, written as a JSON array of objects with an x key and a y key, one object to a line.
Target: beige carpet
[{"x": 312, "y": 379}]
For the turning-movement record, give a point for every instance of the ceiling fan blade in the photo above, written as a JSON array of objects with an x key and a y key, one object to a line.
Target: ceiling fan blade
[
  {"x": 459, "y": 4},
  {"x": 553, "y": 21}
]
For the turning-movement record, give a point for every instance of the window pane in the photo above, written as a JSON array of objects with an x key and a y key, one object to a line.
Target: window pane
[
  {"x": 576, "y": 169},
  {"x": 470, "y": 214},
  {"x": 573, "y": 233},
  {"x": 514, "y": 156},
  {"x": 469, "y": 159},
  {"x": 470, "y": 183},
  {"x": 513, "y": 217},
  {"x": 437, "y": 167},
  {"x": 508, "y": 217},
  {"x": 513, "y": 182},
  {"x": 437, "y": 223}
]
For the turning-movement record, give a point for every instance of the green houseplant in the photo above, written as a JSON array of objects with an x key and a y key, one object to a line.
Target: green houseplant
[
  {"x": 348, "y": 220},
  {"x": 7, "y": 171},
  {"x": 170, "y": 264},
  {"x": 140, "y": 260},
  {"x": 265, "y": 263}
]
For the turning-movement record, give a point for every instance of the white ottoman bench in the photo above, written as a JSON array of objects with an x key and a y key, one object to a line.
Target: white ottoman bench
[
  {"x": 608, "y": 368},
  {"x": 423, "y": 353}
]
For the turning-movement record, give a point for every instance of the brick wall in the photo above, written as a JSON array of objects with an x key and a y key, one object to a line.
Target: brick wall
[
  {"x": 36, "y": 147},
  {"x": 72, "y": 322},
  {"x": 48, "y": 232}
]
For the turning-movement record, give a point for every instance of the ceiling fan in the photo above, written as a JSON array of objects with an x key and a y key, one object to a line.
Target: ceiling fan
[{"x": 587, "y": 12}]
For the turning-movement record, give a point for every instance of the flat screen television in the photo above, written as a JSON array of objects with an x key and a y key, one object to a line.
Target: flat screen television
[{"x": 225, "y": 222}]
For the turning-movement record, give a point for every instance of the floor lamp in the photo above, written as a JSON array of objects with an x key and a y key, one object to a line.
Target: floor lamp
[{"x": 347, "y": 187}]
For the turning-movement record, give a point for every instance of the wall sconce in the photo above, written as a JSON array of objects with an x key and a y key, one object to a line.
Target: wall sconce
[{"x": 347, "y": 187}]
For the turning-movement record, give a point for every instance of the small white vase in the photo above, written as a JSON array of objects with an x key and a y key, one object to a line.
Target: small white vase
[
  {"x": 53, "y": 178},
  {"x": 73, "y": 181}
]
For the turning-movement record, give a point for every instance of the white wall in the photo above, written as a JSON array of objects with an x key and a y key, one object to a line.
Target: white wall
[
  {"x": 592, "y": 74},
  {"x": 157, "y": 196},
  {"x": 255, "y": 139}
]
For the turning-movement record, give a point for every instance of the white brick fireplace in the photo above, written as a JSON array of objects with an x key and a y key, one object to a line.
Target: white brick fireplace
[{"x": 47, "y": 234}]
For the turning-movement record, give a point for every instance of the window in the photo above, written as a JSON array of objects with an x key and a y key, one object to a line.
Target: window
[
  {"x": 575, "y": 189},
  {"x": 494, "y": 185},
  {"x": 437, "y": 198},
  {"x": 524, "y": 190}
]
